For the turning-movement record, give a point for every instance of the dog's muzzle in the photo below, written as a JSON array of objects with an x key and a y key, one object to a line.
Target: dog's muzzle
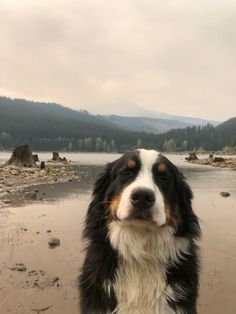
[{"x": 142, "y": 200}]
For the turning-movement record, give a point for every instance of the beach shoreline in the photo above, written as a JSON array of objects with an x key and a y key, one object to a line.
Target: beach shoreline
[
  {"x": 14, "y": 180},
  {"x": 229, "y": 163}
]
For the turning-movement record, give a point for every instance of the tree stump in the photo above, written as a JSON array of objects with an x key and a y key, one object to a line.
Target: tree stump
[
  {"x": 55, "y": 156},
  {"x": 42, "y": 165},
  {"x": 22, "y": 157},
  {"x": 36, "y": 157},
  {"x": 192, "y": 156}
]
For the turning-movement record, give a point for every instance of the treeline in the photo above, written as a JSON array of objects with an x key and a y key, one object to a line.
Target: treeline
[
  {"x": 201, "y": 138},
  {"x": 53, "y": 127}
]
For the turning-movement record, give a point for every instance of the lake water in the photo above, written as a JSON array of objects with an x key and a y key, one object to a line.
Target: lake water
[{"x": 24, "y": 238}]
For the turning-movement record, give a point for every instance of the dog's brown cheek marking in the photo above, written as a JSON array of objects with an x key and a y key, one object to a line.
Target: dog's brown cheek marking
[
  {"x": 171, "y": 218},
  {"x": 112, "y": 209}
]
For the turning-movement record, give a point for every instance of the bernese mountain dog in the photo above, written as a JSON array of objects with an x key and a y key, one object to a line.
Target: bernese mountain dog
[{"x": 141, "y": 255}]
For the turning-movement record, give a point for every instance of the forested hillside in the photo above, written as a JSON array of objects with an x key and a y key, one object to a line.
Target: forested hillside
[
  {"x": 206, "y": 137},
  {"x": 54, "y": 127}
]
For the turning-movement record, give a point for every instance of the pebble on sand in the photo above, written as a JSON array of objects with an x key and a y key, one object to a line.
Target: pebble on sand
[
  {"x": 53, "y": 242},
  {"x": 225, "y": 194}
]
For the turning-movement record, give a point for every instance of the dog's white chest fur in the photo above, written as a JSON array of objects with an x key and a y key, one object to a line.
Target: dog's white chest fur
[
  {"x": 140, "y": 290},
  {"x": 140, "y": 285}
]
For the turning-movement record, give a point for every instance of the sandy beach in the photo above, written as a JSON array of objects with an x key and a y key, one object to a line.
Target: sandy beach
[{"x": 48, "y": 285}]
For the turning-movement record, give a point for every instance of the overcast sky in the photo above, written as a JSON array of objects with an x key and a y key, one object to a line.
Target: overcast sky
[{"x": 173, "y": 56}]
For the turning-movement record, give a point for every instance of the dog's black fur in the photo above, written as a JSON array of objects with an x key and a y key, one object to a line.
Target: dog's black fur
[{"x": 102, "y": 259}]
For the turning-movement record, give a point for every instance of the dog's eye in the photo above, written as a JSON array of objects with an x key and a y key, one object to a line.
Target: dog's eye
[
  {"x": 126, "y": 172},
  {"x": 163, "y": 179}
]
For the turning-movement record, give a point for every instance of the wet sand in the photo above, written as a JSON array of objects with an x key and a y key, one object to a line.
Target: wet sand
[
  {"x": 24, "y": 239},
  {"x": 64, "y": 219}
]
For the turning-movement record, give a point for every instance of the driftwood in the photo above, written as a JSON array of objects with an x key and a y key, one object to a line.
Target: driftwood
[
  {"x": 22, "y": 157},
  {"x": 218, "y": 159}
]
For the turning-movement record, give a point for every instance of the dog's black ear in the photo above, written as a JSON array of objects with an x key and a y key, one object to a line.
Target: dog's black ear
[
  {"x": 103, "y": 182},
  {"x": 184, "y": 193},
  {"x": 101, "y": 259},
  {"x": 189, "y": 225},
  {"x": 95, "y": 220}
]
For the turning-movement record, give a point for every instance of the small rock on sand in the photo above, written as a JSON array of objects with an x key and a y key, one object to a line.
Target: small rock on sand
[
  {"x": 225, "y": 194},
  {"x": 53, "y": 242}
]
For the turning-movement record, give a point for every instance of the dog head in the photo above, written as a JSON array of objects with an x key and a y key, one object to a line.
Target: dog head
[{"x": 143, "y": 188}]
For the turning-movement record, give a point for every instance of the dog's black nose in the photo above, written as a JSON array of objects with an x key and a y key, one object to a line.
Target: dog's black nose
[{"x": 142, "y": 198}]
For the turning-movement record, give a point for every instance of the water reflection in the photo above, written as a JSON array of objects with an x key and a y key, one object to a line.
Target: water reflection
[{"x": 202, "y": 178}]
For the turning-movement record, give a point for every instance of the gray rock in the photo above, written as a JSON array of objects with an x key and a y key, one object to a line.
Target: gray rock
[
  {"x": 225, "y": 194},
  {"x": 53, "y": 242}
]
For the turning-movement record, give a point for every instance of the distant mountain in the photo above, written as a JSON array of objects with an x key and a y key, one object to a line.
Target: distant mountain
[
  {"x": 132, "y": 110},
  {"x": 142, "y": 124},
  {"x": 47, "y": 126}
]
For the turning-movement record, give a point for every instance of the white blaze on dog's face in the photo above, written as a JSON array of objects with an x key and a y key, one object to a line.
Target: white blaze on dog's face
[{"x": 141, "y": 200}]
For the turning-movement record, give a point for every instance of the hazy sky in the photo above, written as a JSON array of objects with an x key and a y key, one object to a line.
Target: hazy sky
[{"x": 173, "y": 56}]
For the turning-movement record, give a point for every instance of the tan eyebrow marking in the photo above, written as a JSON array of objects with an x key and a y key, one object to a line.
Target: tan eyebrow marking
[
  {"x": 161, "y": 167},
  {"x": 131, "y": 163}
]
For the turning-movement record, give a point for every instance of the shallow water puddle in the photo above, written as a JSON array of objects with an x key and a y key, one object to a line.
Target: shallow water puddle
[{"x": 25, "y": 240}]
